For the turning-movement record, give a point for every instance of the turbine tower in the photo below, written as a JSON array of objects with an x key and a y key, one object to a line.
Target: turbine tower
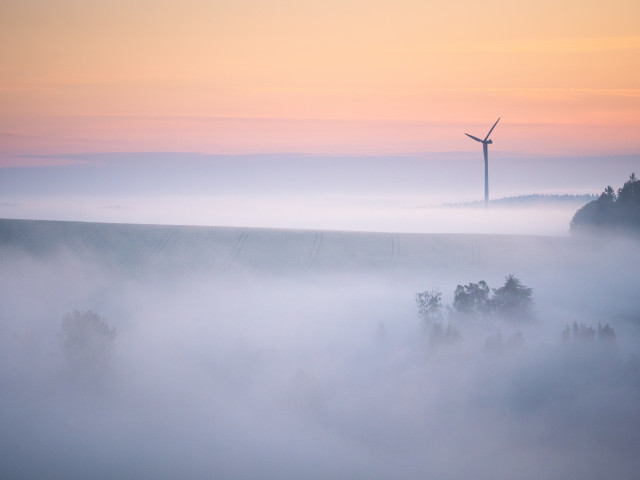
[{"x": 485, "y": 149}]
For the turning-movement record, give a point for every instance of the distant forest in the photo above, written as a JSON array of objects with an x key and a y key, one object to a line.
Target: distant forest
[
  {"x": 530, "y": 200},
  {"x": 611, "y": 210}
]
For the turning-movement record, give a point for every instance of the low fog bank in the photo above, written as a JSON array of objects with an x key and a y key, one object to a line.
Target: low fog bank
[
  {"x": 317, "y": 369},
  {"x": 361, "y": 193},
  {"x": 371, "y": 212}
]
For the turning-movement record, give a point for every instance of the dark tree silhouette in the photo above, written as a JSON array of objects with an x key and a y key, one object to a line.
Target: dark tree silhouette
[
  {"x": 611, "y": 210},
  {"x": 514, "y": 300},
  {"x": 472, "y": 298}
]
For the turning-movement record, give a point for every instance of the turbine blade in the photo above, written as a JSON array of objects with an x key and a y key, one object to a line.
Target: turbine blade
[
  {"x": 475, "y": 138},
  {"x": 494, "y": 126}
]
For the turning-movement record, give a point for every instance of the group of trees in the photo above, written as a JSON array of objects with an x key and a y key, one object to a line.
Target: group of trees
[
  {"x": 611, "y": 210},
  {"x": 579, "y": 332},
  {"x": 513, "y": 301}
]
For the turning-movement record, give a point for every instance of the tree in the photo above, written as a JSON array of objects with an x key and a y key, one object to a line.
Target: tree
[
  {"x": 472, "y": 298},
  {"x": 87, "y": 342},
  {"x": 628, "y": 203},
  {"x": 514, "y": 300},
  {"x": 429, "y": 306},
  {"x": 630, "y": 191}
]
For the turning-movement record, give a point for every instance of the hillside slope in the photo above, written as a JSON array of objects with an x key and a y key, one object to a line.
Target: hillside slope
[{"x": 158, "y": 248}]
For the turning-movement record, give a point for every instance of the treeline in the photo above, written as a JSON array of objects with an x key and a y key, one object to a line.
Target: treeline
[
  {"x": 611, "y": 210},
  {"x": 546, "y": 198},
  {"x": 532, "y": 199}
]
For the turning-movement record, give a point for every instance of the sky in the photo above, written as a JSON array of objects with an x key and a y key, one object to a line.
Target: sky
[
  {"x": 347, "y": 76},
  {"x": 334, "y": 78}
]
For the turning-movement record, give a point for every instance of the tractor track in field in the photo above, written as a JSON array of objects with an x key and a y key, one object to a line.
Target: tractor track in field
[
  {"x": 87, "y": 240},
  {"x": 395, "y": 251},
  {"x": 237, "y": 248},
  {"x": 315, "y": 250},
  {"x": 161, "y": 245}
]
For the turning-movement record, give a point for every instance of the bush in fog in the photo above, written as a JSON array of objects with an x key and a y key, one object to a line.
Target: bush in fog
[
  {"x": 87, "y": 341},
  {"x": 611, "y": 209}
]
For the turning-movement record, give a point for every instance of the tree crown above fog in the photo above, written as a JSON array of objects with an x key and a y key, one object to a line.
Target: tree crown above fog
[
  {"x": 612, "y": 210},
  {"x": 513, "y": 301}
]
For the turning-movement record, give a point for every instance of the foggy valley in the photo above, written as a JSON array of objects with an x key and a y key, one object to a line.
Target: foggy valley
[{"x": 245, "y": 353}]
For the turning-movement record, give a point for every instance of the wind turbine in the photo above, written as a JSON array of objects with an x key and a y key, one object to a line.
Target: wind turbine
[{"x": 485, "y": 149}]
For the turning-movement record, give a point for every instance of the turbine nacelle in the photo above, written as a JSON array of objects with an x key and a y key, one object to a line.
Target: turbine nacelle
[{"x": 486, "y": 139}]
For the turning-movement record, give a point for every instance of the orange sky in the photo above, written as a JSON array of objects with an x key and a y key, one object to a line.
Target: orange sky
[{"x": 337, "y": 76}]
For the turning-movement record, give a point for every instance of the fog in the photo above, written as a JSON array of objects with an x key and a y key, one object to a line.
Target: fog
[
  {"x": 249, "y": 353},
  {"x": 323, "y": 211},
  {"x": 367, "y": 193}
]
